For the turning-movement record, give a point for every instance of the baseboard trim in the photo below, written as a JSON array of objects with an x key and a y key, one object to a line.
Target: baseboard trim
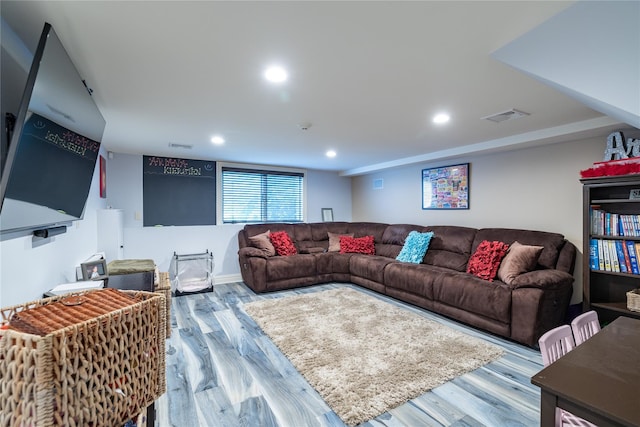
[{"x": 228, "y": 278}]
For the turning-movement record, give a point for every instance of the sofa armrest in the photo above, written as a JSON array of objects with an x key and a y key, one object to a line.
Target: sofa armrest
[
  {"x": 249, "y": 251},
  {"x": 543, "y": 279}
]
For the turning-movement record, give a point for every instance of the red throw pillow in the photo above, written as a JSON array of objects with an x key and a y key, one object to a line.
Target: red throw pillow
[
  {"x": 282, "y": 243},
  {"x": 486, "y": 259},
  {"x": 360, "y": 245}
]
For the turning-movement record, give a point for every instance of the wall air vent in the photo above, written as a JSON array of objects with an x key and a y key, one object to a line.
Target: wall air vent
[
  {"x": 176, "y": 145},
  {"x": 506, "y": 115}
]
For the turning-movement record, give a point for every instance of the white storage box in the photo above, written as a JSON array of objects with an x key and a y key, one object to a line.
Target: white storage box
[{"x": 191, "y": 273}]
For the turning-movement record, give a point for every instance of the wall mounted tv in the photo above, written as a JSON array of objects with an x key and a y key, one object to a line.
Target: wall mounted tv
[{"x": 53, "y": 150}]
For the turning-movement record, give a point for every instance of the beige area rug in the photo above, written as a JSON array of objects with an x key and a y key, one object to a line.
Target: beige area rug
[{"x": 363, "y": 355}]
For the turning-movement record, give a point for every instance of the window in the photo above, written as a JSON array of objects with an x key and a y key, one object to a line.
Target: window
[{"x": 250, "y": 195}]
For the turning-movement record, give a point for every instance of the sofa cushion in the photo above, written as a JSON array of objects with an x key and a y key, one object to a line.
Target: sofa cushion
[
  {"x": 415, "y": 247},
  {"x": 396, "y": 234},
  {"x": 334, "y": 241},
  {"x": 332, "y": 263},
  {"x": 519, "y": 259},
  {"x": 415, "y": 279},
  {"x": 488, "y": 299},
  {"x": 262, "y": 242},
  {"x": 450, "y": 247},
  {"x": 290, "y": 267},
  {"x": 486, "y": 259},
  {"x": 301, "y": 232},
  {"x": 360, "y": 229},
  {"x": 552, "y": 242},
  {"x": 282, "y": 243},
  {"x": 255, "y": 229},
  {"x": 320, "y": 230},
  {"x": 360, "y": 245},
  {"x": 370, "y": 267}
]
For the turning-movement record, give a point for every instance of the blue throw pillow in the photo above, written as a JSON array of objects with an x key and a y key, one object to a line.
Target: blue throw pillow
[{"x": 415, "y": 246}]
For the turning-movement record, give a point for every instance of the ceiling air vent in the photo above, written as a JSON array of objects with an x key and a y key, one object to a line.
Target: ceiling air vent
[
  {"x": 185, "y": 146},
  {"x": 506, "y": 115}
]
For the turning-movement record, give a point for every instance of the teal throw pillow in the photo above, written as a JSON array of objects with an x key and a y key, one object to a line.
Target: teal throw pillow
[{"x": 415, "y": 247}]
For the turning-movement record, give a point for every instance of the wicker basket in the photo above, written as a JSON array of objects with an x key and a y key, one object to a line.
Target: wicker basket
[
  {"x": 163, "y": 286},
  {"x": 633, "y": 300},
  {"x": 82, "y": 368}
]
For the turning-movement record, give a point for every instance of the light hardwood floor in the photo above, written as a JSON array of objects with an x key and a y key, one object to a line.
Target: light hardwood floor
[{"x": 223, "y": 371}]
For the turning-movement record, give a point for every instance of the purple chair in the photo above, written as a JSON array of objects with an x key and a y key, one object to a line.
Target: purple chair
[
  {"x": 556, "y": 343},
  {"x": 585, "y": 326},
  {"x": 553, "y": 345}
]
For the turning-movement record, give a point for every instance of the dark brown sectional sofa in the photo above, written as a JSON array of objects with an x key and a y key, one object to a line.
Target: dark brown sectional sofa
[{"x": 534, "y": 303}]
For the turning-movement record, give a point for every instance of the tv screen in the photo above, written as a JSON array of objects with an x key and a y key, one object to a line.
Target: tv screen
[{"x": 54, "y": 147}]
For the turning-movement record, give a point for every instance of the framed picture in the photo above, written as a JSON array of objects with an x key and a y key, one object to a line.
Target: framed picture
[
  {"x": 94, "y": 270},
  {"x": 446, "y": 187},
  {"x": 327, "y": 214}
]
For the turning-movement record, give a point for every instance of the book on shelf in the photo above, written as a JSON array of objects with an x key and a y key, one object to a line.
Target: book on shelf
[
  {"x": 629, "y": 225},
  {"x": 607, "y": 255},
  {"x": 623, "y": 228},
  {"x": 601, "y": 265},
  {"x": 622, "y": 266},
  {"x": 613, "y": 255},
  {"x": 617, "y": 256},
  {"x": 633, "y": 257},
  {"x": 593, "y": 254},
  {"x": 597, "y": 220},
  {"x": 627, "y": 259},
  {"x": 613, "y": 224}
]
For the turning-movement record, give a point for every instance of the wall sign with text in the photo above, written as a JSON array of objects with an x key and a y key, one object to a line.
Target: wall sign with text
[{"x": 178, "y": 191}]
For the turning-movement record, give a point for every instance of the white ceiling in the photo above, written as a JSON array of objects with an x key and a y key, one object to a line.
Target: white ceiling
[{"x": 367, "y": 76}]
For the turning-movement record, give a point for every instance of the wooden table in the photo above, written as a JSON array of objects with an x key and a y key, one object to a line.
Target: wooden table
[{"x": 599, "y": 380}]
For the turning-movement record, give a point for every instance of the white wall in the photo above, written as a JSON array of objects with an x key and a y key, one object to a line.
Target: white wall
[
  {"x": 29, "y": 267},
  {"x": 124, "y": 191},
  {"x": 590, "y": 51},
  {"x": 535, "y": 188}
]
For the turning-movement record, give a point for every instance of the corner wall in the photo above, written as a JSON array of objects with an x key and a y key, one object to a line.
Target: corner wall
[
  {"x": 535, "y": 188},
  {"x": 29, "y": 267},
  {"x": 124, "y": 191}
]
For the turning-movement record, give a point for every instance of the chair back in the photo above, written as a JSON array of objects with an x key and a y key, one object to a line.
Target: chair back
[
  {"x": 585, "y": 326},
  {"x": 556, "y": 343}
]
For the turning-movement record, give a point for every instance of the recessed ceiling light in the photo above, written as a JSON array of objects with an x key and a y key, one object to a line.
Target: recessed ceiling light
[
  {"x": 276, "y": 74},
  {"x": 217, "y": 139},
  {"x": 331, "y": 153},
  {"x": 441, "y": 118}
]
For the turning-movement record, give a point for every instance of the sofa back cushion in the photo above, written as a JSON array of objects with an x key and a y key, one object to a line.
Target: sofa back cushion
[
  {"x": 393, "y": 239},
  {"x": 361, "y": 229},
  {"x": 450, "y": 246},
  {"x": 552, "y": 242},
  {"x": 320, "y": 230},
  {"x": 251, "y": 230}
]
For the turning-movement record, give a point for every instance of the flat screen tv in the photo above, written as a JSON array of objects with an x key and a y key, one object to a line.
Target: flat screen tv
[{"x": 53, "y": 150}]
